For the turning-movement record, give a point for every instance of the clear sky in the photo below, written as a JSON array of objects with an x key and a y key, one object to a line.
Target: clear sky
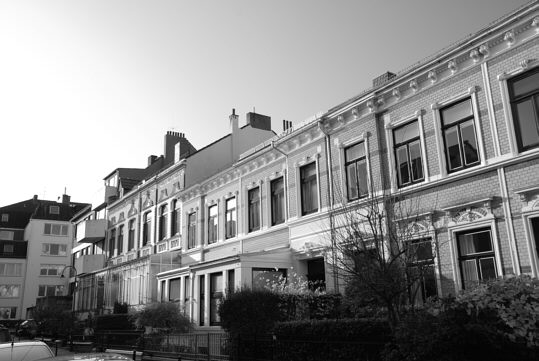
[{"x": 90, "y": 86}]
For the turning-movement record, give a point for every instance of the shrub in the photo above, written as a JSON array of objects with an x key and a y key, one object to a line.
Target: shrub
[
  {"x": 162, "y": 315},
  {"x": 122, "y": 307},
  {"x": 113, "y": 322},
  {"x": 309, "y": 306},
  {"x": 251, "y": 312},
  {"x": 350, "y": 339}
]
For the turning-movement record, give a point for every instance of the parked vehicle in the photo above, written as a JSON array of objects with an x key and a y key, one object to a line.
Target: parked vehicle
[
  {"x": 101, "y": 356},
  {"x": 5, "y": 336},
  {"x": 24, "y": 351},
  {"x": 27, "y": 328}
]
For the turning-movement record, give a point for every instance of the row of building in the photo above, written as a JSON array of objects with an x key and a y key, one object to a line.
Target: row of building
[{"x": 458, "y": 131}]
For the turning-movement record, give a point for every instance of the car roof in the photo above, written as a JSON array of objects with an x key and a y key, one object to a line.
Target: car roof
[
  {"x": 93, "y": 356},
  {"x": 23, "y": 343}
]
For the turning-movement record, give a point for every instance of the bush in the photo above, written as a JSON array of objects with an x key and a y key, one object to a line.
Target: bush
[
  {"x": 113, "y": 322},
  {"x": 495, "y": 321},
  {"x": 350, "y": 339},
  {"x": 162, "y": 315},
  {"x": 250, "y": 312},
  {"x": 309, "y": 306}
]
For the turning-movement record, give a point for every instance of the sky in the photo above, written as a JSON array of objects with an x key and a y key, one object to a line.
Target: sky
[{"x": 90, "y": 86}]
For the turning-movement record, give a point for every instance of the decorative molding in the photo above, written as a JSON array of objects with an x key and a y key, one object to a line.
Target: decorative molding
[
  {"x": 132, "y": 209},
  {"x": 432, "y": 76},
  {"x": 535, "y": 23},
  {"x": 509, "y": 38},
  {"x": 121, "y": 218},
  {"x": 484, "y": 50},
  {"x": 163, "y": 194},
  {"x": 371, "y": 105},
  {"x": 355, "y": 113},
  {"x": 397, "y": 93},
  {"x": 414, "y": 86},
  {"x": 475, "y": 56},
  {"x": 452, "y": 66}
]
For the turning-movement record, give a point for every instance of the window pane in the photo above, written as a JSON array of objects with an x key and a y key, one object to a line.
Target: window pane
[
  {"x": 362, "y": 177},
  {"x": 526, "y": 123},
  {"x": 488, "y": 269},
  {"x": 469, "y": 270},
  {"x": 457, "y": 112},
  {"x": 526, "y": 85},
  {"x": 174, "y": 289},
  {"x": 475, "y": 243},
  {"x": 56, "y": 229},
  {"x": 402, "y": 165},
  {"x": 352, "y": 181},
  {"x": 47, "y": 228},
  {"x": 452, "y": 148},
  {"x": 469, "y": 142},
  {"x": 417, "y": 163},
  {"x": 406, "y": 133},
  {"x": 355, "y": 152}
]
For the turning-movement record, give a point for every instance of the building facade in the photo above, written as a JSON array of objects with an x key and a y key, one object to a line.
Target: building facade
[{"x": 458, "y": 131}]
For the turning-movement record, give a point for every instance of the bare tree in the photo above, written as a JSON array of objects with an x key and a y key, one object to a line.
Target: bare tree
[{"x": 382, "y": 246}]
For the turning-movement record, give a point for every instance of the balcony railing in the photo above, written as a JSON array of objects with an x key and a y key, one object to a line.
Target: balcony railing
[
  {"x": 91, "y": 231},
  {"x": 90, "y": 263}
]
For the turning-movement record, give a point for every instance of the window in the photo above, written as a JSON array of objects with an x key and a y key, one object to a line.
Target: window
[
  {"x": 9, "y": 248},
  {"x": 212, "y": 224},
  {"x": 356, "y": 171},
  {"x": 408, "y": 158},
  {"x": 9, "y": 291},
  {"x": 277, "y": 201},
  {"x": 202, "y": 298},
  {"x": 54, "y": 210},
  {"x": 263, "y": 276},
  {"x": 231, "y": 281},
  {"x": 192, "y": 230},
  {"x": 187, "y": 291},
  {"x": 163, "y": 216},
  {"x": 53, "y": 229},
  {"x": 254, "y": 209},
  {"x": 524, "y": 98},
  {"x": 51, "y": 269},
  {"x": 175, "y": 219},
  {"x": 146, "y": 228},
  {"x": 7, "y": 235},
  {"x": 131, "y": 235},
  {"x": 8, "y": 312},
  {"x": 49, "y": 290},
  {"x": 112, "y": 241},
  {"x": 460, "y": 141},
  {"x": 230, "y": 218},
  {"x": 5, "y": 217},
  {"x": 216, "y": 296},
  {"x": 174, "y": 287},
  {"x": 53, "y": 249},
  {"x": 420, "y": 267},
  {"x": 10, "y": 269},
  {"x": 309, "y": 189},
  {"x": 120, "y": 240},
  {"x": 476, "y": 256},
  {"x": 316, "y": 274}
]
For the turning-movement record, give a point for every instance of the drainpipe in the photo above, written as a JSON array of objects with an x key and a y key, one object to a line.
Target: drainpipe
[{"x": 330, "y": 201}]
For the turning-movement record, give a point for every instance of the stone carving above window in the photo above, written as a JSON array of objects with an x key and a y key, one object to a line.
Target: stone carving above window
[
  {"x": 132, "y": 208},
  {"x": 469, "y": 212},
  {"x": 148, "y": 202},
  {"x": 529, "y": 197}
]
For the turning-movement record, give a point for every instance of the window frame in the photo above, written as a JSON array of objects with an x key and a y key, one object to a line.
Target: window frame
[
  {"x": 254, "y": 205},
  {"x": 302, "y": 185},
  {"x": 274, "y": 198},
  {"x": 175, "y": 217},
  {"x": 408, "y": 143},
  {"x": 120, "y": 240},
  {"x": 390, "y": 126},
  {"x": 215, "y": 226},
  {"x": 364, "y": 140},
  {"x": 477, "y": 256},
  {"x": 146, "y": 228},
  {"x": 503, "y": 79},
  {"x": 192, "y": 230},
  {"x": 163, "y": 220},
  {"x": 232, "y": 213},
  {"x": 131, "y": 224}
]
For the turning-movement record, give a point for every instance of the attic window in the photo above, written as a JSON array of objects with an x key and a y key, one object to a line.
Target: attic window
[
  {"x": 5, "y": 217},
  {"x": 54, "y": 210}
]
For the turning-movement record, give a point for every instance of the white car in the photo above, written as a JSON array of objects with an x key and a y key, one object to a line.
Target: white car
[{"x": 24, "y": 351}]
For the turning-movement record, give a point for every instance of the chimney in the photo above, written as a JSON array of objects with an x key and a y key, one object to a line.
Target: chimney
[
  {"x": 151, "y": 159},
  {"x": 259, "y": 121},
  {"x": 66, "y": 199},
  {"x": 382, "y": 79},
  {"x": 35, "y": 197},
  {"x": 233, "y": 122},
  {"x": 286, "y": 125},
  {"x": 171, "y": 139}
]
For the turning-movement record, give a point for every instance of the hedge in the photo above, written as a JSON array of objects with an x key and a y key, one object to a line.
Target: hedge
[{"x": 113, "y": 322}]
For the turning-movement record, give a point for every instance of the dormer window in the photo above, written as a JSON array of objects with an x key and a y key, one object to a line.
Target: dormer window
[
  {"x": 54, "y": 210},
  {"x": 5, "y": 217}
]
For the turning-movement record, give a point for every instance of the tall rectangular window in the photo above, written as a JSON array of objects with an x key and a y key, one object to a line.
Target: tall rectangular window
[
  {"x": 231, "y": 281},
  {"x": 174, "y": 286},
  {"x": 356, "y": 171},
  {"x": 9, "y": 291},
  {"x": 524, "y": 98},
  {"x": 202, "y": 300},
  {"x": 131, "y": 236},
  {"x": 120, "y": 242},
  {"x": 420, "y": 267},
  {"x": 277, "y": 201},
  {"x": 163, "y": 217},
  {"x": 175, "y": 218},
  {"x": 146, "y": 228},
  {"x": 192, "y": 230},
  {"x": 254, "y": 209},
  {"x": 230, "y": 218},
  {"x": 459, "y": 135},
  {"x": 212, "y": 224},
  {"x": 407, "y": 148},
  {"x": 112, "y": 241},
  {"x": 476, "y": 256},
  {"x": 216, "y": 295},
  {"x": 309, "y": 189},
  {"x": 187, "y": 292}
]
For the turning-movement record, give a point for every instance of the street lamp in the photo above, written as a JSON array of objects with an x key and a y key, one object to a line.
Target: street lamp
[{"x": 74, "y": 286}]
